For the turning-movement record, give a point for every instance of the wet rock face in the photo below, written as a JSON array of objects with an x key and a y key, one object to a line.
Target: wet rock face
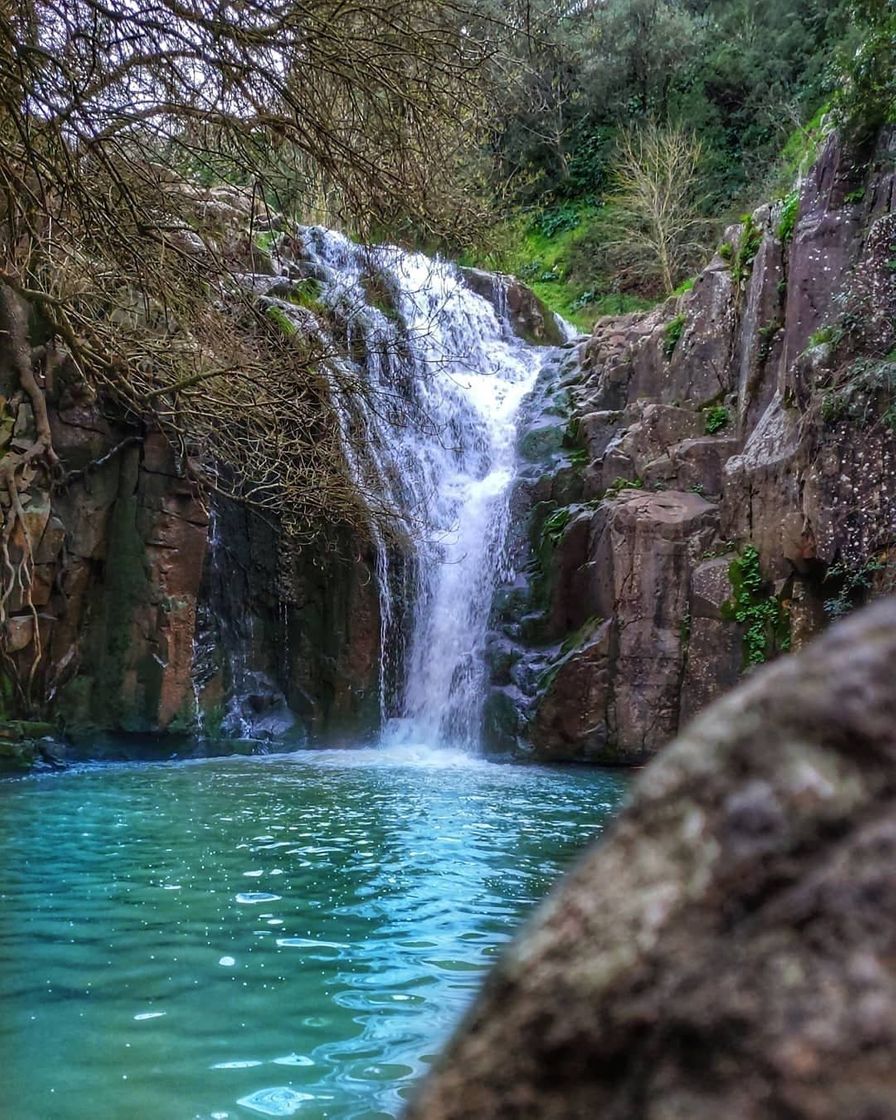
[
  {"x": 119, "y": 554},
  {"x": 755, "y": 412},
  {"x": 528, "y": 315},
  {"x": 729, "y": 948}
]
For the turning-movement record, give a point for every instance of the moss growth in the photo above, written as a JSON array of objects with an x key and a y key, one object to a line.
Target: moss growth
[
  {"x": 672, "y": 334},
  {"x": 281, "y": 320},
  {"x": 307, "y": 294},
  {"x": 765, "y": 620}
]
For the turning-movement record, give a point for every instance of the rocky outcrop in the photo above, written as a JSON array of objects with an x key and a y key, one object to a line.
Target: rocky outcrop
[
  {"x": 525, "y": 312},
  {"x": 745, "y": 430},
  {"x": 728, "y": 949}
]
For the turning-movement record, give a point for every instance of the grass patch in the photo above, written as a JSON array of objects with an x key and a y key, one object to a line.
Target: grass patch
[{"x": 555, "y": 252}]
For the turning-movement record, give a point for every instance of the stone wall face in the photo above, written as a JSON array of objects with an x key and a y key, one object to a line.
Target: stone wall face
[
  {"x": 134, "y": 633},
  {"x": 756, "y": 411}
]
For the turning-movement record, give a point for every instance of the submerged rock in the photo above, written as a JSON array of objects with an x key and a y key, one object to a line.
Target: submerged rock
[{"x": 730, "y": 949}]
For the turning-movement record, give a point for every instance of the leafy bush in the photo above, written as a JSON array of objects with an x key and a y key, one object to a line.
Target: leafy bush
[
  {"x": 747, "y": 248},
  {"x": 716, "y": 419},
  {"x": 867, "y": 96},
  {"x": 765, "y": 620},
  {"x": 789, "y": 213},
  {"x": 852, "y": 585},
  {"x": 557, "y": 219},
  {"x": 553, "y": 527}
]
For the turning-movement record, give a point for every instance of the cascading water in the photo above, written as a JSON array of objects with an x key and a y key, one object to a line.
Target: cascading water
[{"x": 430, "y": 433}]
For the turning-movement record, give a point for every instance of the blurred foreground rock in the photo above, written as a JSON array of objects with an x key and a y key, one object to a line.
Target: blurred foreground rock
[{"x": 730, "y": 950}]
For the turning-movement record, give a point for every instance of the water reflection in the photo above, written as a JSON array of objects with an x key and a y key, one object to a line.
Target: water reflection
[{"x": 142, "y": 978}]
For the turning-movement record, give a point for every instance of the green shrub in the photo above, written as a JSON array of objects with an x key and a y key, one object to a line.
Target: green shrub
[
  {"x": 558, "y": 219},
  {"x": 765, "y": 620},
  {"x": 789, "y": 213},
  {"x": 672, "y": 334},
  {"x": 852, "y": 585},
  {"x": 747, "y": 248},
  {"x": 824, "y": 336},
  {"x": 715, "y": 419}
]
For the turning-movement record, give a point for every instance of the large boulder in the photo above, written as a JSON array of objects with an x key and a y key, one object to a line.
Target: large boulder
[{"x": 730, "y": 948}]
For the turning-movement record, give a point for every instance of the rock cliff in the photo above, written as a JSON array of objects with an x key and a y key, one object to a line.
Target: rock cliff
[{"x": 707, "y": 484}]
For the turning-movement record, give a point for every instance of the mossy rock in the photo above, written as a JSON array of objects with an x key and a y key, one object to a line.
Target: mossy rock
[
  {"x": 540, "y": 442},
  {"x": 17, "y": 756}
]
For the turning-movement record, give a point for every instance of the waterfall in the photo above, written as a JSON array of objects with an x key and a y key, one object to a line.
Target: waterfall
[{"x": 431, "y": 433}]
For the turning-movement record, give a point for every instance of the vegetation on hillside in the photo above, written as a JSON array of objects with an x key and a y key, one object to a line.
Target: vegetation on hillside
[{"x": 755, "y": 83}]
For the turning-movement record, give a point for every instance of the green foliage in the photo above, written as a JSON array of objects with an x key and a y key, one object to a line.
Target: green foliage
[
  {"x": 716, "y": 419},
  {"x": 789, "y": 212},
  {"x": 685, "y": 286},
  {"x": 866, "y": 395},
  {"x": 563, "y": 267},
  {"x": 747, "y": 248},
  {"x": 804, "y": 143},
  {"x": 851, "y": 584},
  {"x": 265, "y": 240},
  {"x": 765, "y": 620},
  {"x": 726, "y": 252},
  {"x": 578, "y": 637},
  {"x": 824, "y": 336},
  {"x": 281, "y": 320},
  {"x": 307, "y": 293},
  {"x": 672, "y": 334},
  {"x": 558, "y": 219},
  {"x": 619, "y": 484},
  {"x": 866, "y": 98},
  {"x": 552, "y": 529}
]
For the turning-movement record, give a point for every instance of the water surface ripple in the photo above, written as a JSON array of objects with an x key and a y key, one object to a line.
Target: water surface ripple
[{"x": 262, "y": 937}]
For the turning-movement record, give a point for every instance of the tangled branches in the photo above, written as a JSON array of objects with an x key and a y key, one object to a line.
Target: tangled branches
[{"x": 109, "y": 111}]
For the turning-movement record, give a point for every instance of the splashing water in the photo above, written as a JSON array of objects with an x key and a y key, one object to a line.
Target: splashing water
[{"x": 435, "y": 437}]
